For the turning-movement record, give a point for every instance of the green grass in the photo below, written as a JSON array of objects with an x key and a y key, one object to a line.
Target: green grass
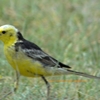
[{"x": 66, "y": 29}]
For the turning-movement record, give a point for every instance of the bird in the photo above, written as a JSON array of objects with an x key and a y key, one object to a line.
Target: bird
[{"x": 30, "y": 60}]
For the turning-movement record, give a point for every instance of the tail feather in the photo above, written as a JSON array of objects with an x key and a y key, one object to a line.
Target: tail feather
[{"x": 83, "y": 74}]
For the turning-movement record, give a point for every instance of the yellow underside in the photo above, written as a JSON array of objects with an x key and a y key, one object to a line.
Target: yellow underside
[{"x": 25, "y": 65}]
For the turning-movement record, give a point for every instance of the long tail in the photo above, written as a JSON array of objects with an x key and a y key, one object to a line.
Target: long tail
[{"x": 83, "y": 74}]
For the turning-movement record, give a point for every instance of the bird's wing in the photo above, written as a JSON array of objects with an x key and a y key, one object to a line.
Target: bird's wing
[{"x": 36, "y": 53}]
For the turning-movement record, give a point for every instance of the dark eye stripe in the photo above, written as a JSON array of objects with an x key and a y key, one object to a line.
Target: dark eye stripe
[{"x": 3, "y": 32}]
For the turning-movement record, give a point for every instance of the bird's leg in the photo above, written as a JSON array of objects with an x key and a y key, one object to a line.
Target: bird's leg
[
  {"x": 15, "y": 86},
  {"x": 48, "y": 86},
  {"x": 16, "y": 83}
]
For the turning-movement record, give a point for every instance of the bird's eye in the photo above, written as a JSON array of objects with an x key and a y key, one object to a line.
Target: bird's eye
[{"x": 3, "y": 32}]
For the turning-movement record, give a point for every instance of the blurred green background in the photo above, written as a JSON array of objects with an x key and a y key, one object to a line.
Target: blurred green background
[{"x": 66, "y": 29}]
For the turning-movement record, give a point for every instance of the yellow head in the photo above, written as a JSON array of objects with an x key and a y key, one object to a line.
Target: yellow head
[{"x": 8, "y": 34}]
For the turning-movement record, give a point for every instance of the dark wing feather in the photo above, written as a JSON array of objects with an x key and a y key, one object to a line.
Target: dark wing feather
[{"x": 36, "y": 53}]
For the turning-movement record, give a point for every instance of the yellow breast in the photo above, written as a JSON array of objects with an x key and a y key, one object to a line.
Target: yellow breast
[{"x": 25, "y": 65}]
